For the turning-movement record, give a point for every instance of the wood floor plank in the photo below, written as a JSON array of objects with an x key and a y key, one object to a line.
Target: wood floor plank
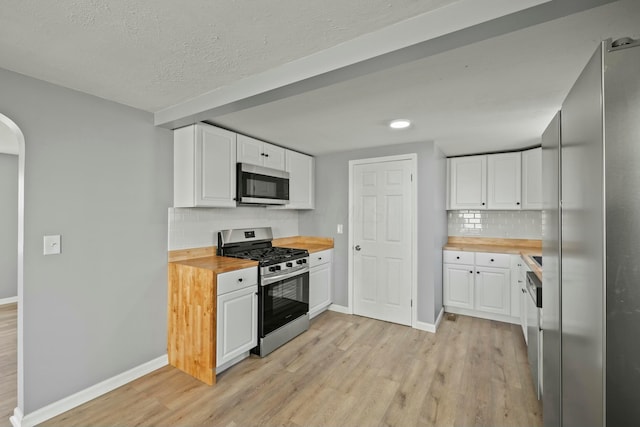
[
  {"x": 8, "y": 361},
  {"x": 346, "y": 370}
]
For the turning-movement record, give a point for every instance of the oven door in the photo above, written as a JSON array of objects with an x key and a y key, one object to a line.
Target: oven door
[
  {"x": 262, "y": 186},
  {"x": 282, "y": 302}
]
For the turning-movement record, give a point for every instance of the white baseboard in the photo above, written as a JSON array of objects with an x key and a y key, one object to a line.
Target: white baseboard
[
  {"x": 424, "y": 326},
  {"x": 430, "y": 327},
  {"x": 439, "y": 318},
  {"x": 9, "y": 300},
  {"x": 83, "y": 396},
  {"x": 16, "y": 419},
  {"x": 340, "y": 309}
]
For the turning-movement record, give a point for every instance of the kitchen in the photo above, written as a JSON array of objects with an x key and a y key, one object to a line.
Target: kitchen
[{"x": 143, "y": 225}]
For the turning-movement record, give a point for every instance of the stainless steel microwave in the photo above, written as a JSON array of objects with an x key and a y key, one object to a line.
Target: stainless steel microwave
[{"x": 257, "y": 185}]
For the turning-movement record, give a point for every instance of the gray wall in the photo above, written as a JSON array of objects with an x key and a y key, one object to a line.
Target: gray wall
[
  {"x": 8, "y": 225},
  {"x": 100, "y": 174},
  {"x": 332, "y": 208}
]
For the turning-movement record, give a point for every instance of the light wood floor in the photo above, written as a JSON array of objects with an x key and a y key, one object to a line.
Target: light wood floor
[
  {"x": 345, "y": 371},
  {"x": 8, "y": 361}
]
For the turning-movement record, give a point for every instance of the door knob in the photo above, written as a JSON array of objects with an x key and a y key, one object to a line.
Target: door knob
[{"x": 357, "y": 248}]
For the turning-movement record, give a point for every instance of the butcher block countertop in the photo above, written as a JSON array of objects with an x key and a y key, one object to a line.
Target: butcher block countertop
[
  {"x": 312, "y": 244},
  {"x": 207, "y": 259},
  {"x": 524, "y": 247},
  {"x": 218, "y": 264}
]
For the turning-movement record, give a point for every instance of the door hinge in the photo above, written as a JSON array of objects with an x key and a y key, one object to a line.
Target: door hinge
[
  {"x": 411, "y": 303},
  {"x": 411, "y": 177}
]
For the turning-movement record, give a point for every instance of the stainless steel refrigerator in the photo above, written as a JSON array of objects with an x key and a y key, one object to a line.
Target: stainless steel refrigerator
[
  {"x": 551, "y": 332},
  {"x": 596, "y": 334}
]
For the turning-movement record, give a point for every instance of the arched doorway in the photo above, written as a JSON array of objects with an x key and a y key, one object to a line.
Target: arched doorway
[{"x": 17, "y": 136}]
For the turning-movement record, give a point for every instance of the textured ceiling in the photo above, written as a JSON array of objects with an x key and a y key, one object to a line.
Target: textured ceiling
[
  {"x": 493, "y": 95},
  {"x": 151, "y": 54},
  {"x": 496, "y": 92}
]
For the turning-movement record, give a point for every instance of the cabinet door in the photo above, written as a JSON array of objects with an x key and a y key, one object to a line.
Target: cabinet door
[
  {"x": 250, "y": 150},
  {"x": 301, "y": 180},
  {"x": 492, "y": 290},
  {"x": 237, "y": 328},
  {"x": 215, "y": 167},
  {"x": 505, "y": 177},
  {"x": 273, "y": 156},
  {"x": 319, "y": 289},
  {"x": 468, "y": 182},
  {"x": 532, "y": 179},
  {"x": 458, "y": 285}
]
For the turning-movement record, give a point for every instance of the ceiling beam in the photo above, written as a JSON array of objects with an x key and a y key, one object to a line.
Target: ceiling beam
[{"x": 459, "y": 24}]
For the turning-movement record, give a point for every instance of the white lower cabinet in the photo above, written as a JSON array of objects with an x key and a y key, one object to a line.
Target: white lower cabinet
[
  {"x": 478, "y": 284},
  {"x": 320, "y": 281},
  {"x": 492, "y": 290},
  {"x": 458, "y": 285},
  {"x": 237, "y": 316}
]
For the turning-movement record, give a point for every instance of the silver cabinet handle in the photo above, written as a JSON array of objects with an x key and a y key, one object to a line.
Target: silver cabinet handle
[{"x": 357, "y": 248}]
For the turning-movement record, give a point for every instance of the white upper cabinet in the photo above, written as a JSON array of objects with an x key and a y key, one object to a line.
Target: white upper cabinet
[
  {"x": 301, "y": 170},
  {"x": 468, "y": 182},
  {"x": 532, "y": 179},
  {"x": 256, "y": 152},
  {"x": 504, "y": 181},
  {"x": 204, "y": 167}
]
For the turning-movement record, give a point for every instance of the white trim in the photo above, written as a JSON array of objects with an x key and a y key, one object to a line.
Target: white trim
[
  {"x": 9, "y": 300},
  {"x": 424, "y": 326},
  {"x": 83, "y": 396},
  {"x": 430, "y": 327},
  {"x": 413, "y": 158},
  {"x": 21, "y": 165},
  {"x": 439, "y": 318},
  {"x": 16, "y": 418},
  {"x": 483, "y": 315},
  {"x": 340, "y": 309}
]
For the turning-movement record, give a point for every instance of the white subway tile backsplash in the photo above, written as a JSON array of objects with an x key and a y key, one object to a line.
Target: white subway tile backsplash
[
  {"x": 502, "y": 224},
  {"x": 198, "y": 227}
]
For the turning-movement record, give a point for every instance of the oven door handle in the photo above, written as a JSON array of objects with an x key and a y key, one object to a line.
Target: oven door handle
[{"x": 272, "y": 279}]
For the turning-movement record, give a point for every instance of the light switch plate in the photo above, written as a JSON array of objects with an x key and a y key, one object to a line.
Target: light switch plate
[
  {"x": 340, "y": 229},
  {"x": 52, "y": 245}
]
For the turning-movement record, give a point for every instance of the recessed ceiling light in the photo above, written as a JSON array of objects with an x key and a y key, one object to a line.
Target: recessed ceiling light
[{"x": 399, "y": 124}]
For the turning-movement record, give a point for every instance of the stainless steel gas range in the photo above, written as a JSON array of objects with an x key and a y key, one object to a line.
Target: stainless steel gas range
[{"x": 283, "y": 294}]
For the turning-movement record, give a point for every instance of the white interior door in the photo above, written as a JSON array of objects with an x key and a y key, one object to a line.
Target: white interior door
[{"x": 382, "y": 240}]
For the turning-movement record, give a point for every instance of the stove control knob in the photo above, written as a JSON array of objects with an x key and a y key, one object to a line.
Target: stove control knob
[
  {"x": 278, "y": 267},
  {"x": 289, "y": 264},
  {"x": 304, "y": 261},
  {"x": 299, "y": 261},
  {"x": 273, "y": 268}
]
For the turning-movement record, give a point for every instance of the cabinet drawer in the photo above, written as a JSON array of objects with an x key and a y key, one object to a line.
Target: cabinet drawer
[
  {"x": 319, "y": 258},
  {"x": 458, "y": 257},
  {"x": 237, "y": 279},
  {"x": 487, "y": 259}
]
